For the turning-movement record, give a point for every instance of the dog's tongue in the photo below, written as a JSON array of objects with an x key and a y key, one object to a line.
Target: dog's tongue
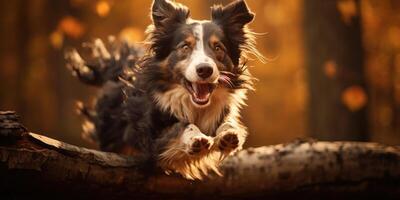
[{"x": 201, "y": 91}]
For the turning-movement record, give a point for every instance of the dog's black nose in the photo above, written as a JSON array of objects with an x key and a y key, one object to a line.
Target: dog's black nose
[{"x": 204, "y": 70}]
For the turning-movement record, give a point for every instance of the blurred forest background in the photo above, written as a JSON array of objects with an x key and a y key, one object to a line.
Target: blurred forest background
[{"x": 334, "y": 72}]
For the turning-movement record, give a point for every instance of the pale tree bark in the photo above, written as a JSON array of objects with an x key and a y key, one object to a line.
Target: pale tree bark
[{"x": 32, "y": 165}]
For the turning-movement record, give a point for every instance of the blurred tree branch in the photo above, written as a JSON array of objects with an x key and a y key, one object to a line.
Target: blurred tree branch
[
  {"x": 334, "y": 57},
  {"x": 36, "y": 166}
]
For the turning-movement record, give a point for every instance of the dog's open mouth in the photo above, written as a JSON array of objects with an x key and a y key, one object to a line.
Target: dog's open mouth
[{"x": 200, "y": 92}]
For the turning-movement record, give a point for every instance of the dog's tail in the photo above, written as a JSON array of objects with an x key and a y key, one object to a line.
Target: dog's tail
[
  {"x": 111, "y": 67},
  {"x": 103, "y": 62}
]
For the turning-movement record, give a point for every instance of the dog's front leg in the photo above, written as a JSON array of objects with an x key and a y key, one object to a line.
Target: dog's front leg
[
  {"x": 181, "y": 144},
  {"x": 230, "y": 136}
]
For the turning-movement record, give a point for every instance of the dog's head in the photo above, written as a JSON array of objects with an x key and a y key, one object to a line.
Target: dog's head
[{"x": 202, "y": 55}]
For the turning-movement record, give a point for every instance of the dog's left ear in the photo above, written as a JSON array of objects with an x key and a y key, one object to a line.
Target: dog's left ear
[
  {"x": 233, "y": 19},
  {"x": 234, "y": 14}
]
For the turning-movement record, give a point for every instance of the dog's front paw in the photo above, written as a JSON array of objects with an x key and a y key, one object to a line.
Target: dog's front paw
[
  {"x": 200, "y": 145},
  {"x": 228, "y": 141},
  {"x": 196, "y": 142}
]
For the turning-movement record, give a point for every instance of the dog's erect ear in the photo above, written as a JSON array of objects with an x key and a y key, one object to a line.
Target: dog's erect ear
[
  {"x": 166, "y": 16},
  {"x": 233, "y": 18},
  {"x": 235, "y": 14},
  {"x": 165, "y": 12}
]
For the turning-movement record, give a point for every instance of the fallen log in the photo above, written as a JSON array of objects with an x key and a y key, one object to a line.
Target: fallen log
[{"x": 33, "y": 165}]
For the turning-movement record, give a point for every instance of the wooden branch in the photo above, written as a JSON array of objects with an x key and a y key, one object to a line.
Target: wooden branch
[{"x": 34, "y": 165}]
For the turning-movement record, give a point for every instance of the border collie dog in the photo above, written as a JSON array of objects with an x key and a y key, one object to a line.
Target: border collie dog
[{"x": 176, "y": 99}]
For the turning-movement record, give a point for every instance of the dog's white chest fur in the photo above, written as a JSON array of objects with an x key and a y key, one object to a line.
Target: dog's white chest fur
[{"x": 177, "y": 102}]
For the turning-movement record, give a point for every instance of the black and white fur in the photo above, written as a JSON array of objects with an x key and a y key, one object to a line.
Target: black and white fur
[{"x": 179, "y": 101}]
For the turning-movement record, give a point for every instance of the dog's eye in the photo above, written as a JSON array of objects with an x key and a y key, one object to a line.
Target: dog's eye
[
  {"x": 185, "y": 47},
  {"x": 217, "y": 48}
]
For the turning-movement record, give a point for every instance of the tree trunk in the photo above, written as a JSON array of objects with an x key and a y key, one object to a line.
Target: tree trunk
[
  {"x": 32, "y": 165},
  {"x": 334, "y": 57}
]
